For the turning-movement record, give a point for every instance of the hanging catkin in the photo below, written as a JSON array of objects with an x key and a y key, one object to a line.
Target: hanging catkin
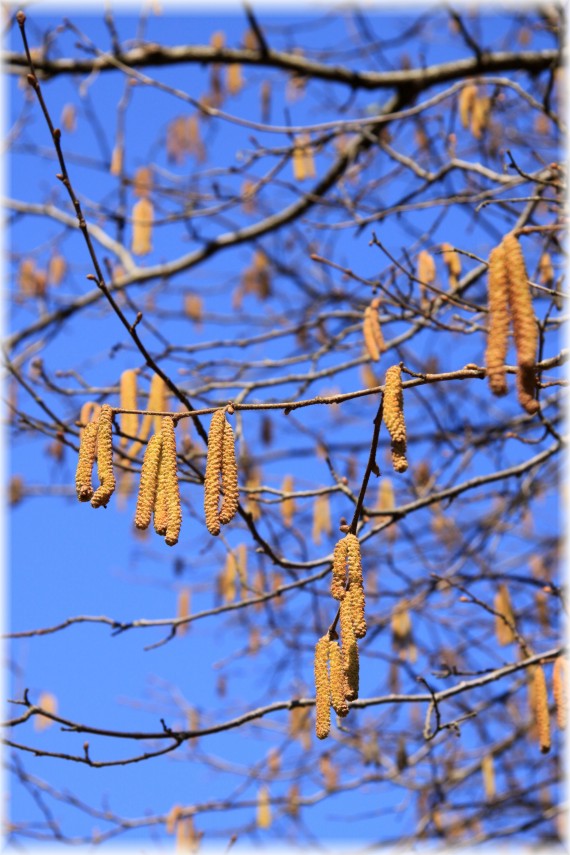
[
  {"x": 87, "y": 455},
  {"x": 104, "y": 458},
  {"x": 372, "y": 332},
  {"x": 128, "y": 401},
  {"x": 349, "y": 650},
  {"x": 338, "y": 580},
  {"x": 541, "y": 709},
  {"x": 148, "y": 482},
  {"x": 356, "y": 587},
  {"x": 221, "y": 473},
  {"x": 172, "y": 493},
  {"x": 504, "y": 609},
  {"x": 498, "y": 326},
  {"x": 322, "y": 688},
  {"x": 213, "y": 471},
  {"x": 559, "y": 689},
  {"x": 488, "y": 772},
  {"x": 229, "y": 476},
  {"x": 338, "y": 683},
  {"x": 321, "y": 518},
  {"x": 525, "y": 328},
  {"x": 160, "y": 516},
  {"x": 393, "y": 412},
  {"x": 467, "y": 98}
]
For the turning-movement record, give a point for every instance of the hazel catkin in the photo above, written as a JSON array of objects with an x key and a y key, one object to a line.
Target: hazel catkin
[
  {"x": 87, "y": 455},
  {"x": 525, "y": 329},
  {"x": 148, "y": 482},
  {"x": 372, "y": 331},
  {"x": 393, "y": 412},
  {"x": 322, "y": 688},
  {"x": 542, "y": 715},
  {"x": 171, "y": 490},
  {"x": 213, "y": 471},
  {"x": 338, "y": 580},
  {"x": 498, "y": 326},
  {"x": 349, "y": 650},
  {"x": 104, "y": 458},
  {"x": 160, "y": 515},
  {"x": 356, "y": 586},
  {"x": 338, "y": 683},
  {"x": 229, "y": 474}
]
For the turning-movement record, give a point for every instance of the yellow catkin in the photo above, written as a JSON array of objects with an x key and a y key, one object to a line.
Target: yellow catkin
[
  {"x": 480, "y": 115},
  {"x": 541, "y": 709},
  {"x": 426, "y": 267},
  {"x": 452, "y": 260},
  {"x": 47, "y": 702},
  {"x": 372, "y": 331},
  {"x": 338, "y": 683},
  {"x": 386, "y": 498},
  {"x": 322, "y": 688},
  {"x": 128, "y": 401},
  {"x": 525, "y": 328},
  {"x": 349, "y": 650},
  {"x": 104, "y": 458},
  {"x": 142, "y": 217},
  {"x": 57, "y": 268},
  {"x": 498, "y": 325},
  {"x": 356, "y": 586},
  {"x": 27, "y": 277},
  {"x": 213, "y": 472},
  {"x": 368, "y": 335},
  {"x": 183, "y": 611},
  {"x": 160, "y": 513},
  {"x": 228, "y": 579},
  {"x": 142, "y": 182},
  {"x": 503, "y": 606},
  {"x": 172, "y": 492},
  {"x": 393, "y": 413},
  {"x": 321, "y": 518},
  {"x": 117, "y": 160},
  {"x": 559, "y": 690},
  {"x": 172, "y": 818},
  {"x": 234, "y": 81},
  {"x": 194, "y": 307},
  {"x": 148, "y": 482},
  {"x": 303, "y": 161},
  {"x": 466, "y": 100},
  {"x": 288, "y": 506},
  {"x": 488, "y": 772},
  {"x": 263, "y": 808},
  {"x": 87, "y": 455},
  {"x": 229, "y": 475},
  {"x": 546, "y": 270},
  {"x": 69, "y": 118},
  {"x": 338, "y": 579}
]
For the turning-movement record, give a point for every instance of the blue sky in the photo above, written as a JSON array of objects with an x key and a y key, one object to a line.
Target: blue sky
[{"x": 65, "y": 559}]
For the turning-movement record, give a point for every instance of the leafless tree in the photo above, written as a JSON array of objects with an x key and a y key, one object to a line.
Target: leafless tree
[{"x": 344, "y": 264}]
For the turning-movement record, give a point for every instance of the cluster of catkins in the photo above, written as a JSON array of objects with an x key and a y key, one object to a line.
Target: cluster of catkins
[
  {"x": 510, "y": 300},
  {"x": 336, "y": 667},
  {"x": 159, "y": 496}
]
